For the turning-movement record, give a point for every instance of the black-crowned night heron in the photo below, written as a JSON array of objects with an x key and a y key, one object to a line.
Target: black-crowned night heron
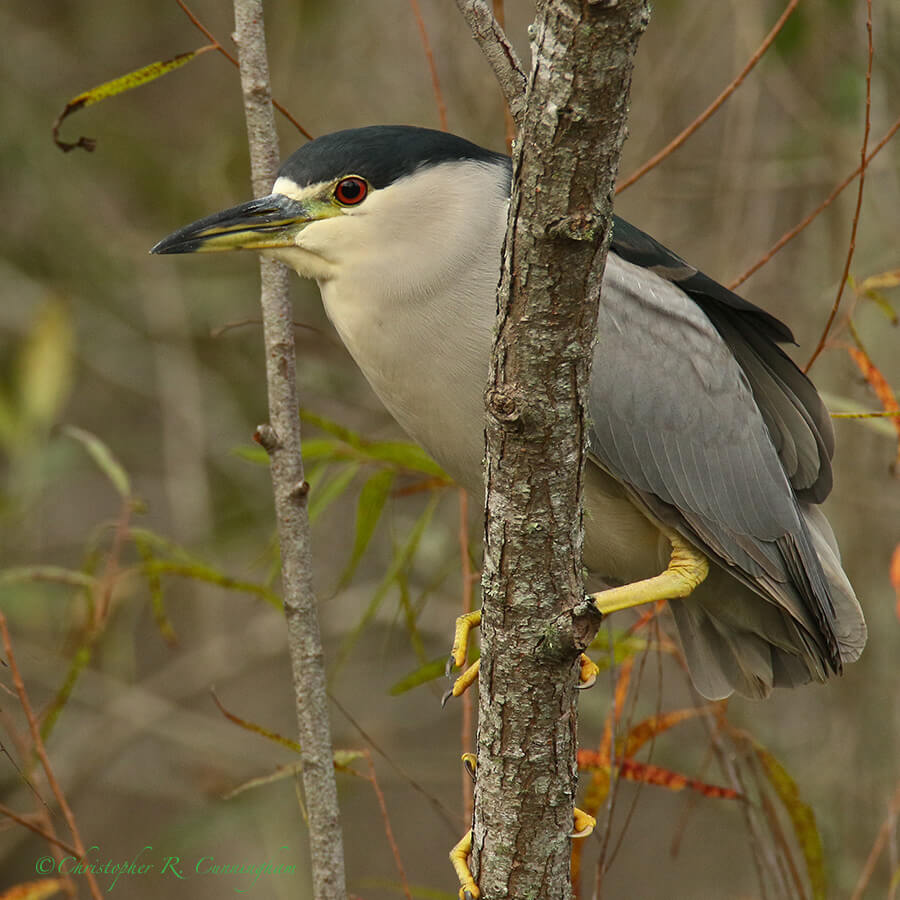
[{"x": 706, "y": 441}]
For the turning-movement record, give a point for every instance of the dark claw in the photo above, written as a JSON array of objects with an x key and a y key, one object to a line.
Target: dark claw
[
  {"x": 449, "y": 667},
  {"x": 587, "y": 608},
  {"x": 446, "y": 697}
]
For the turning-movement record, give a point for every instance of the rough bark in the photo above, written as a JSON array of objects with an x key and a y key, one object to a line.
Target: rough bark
[
  {"x": 564, "y": 166},
  {"x": 281, "y": 439}
]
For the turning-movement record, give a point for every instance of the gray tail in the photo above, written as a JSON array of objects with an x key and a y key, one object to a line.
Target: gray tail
[{"x": 737, "y": 640}]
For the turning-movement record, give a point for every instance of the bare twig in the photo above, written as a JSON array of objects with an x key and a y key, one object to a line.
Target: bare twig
[
  {"x": 676, "y": 142},
  {"x": 388, "y": 831},
  {"x": 884, "y": 834},
  {"x": 438, "y": 807},
  {"x": 499, "y": 53},
  {"x": 800, "y": 226},
  {"x": 217, "y": 46},
  {"x": 432, "y": 68},
  {"x": 40, "y": 832},
  {"x": 282, "y": 441},
  {"x": 859, "y": 194},
  {"x": 509, "y": 124},
  {"x": 41, "y": 752}
]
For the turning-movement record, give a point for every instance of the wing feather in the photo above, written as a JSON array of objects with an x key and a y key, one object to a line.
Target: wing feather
[{"x": 676, "y": 419}]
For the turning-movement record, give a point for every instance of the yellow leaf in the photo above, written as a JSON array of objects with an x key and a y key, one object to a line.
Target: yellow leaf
[{"x": 45, "y": 366}]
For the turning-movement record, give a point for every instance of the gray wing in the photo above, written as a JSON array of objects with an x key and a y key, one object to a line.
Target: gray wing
[
  {"x": 797, "y": 420},
  {"x": 676, "y": 420}
]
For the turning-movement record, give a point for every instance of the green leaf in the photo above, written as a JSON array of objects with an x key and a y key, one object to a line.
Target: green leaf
[
  {"x": 103, "y": 457},
  {"x": 290, "y": 771},
  {"x": 838, "y": 405},
  {"x": 369, "y": 507},
  {"x": 321, "y": 497},
  {"x": 429, "y": 672},
  {"x": 802, "y": 819},
  {"x": 401, "y": 560},
  {"x": 79, "y": 663},
  {"x": 400, "y": 453},
  {"x": 407, "y": 456},
  {"x": 201, "y": 572},
  {"x": 47, "y": 573},
  {"x": 353, "y": 438}
]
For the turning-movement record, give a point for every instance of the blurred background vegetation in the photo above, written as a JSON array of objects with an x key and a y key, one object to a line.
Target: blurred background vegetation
[{"x": 133, "y": 350}]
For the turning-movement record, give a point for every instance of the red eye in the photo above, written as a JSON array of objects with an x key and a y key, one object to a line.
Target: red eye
[{"x": 351, "y": 191}]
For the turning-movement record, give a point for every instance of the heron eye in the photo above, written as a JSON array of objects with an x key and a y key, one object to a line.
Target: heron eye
[{"x": 351, "y": 191}]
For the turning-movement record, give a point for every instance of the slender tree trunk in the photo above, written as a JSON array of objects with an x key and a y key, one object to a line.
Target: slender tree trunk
[
  {"x": 565, "y": 160},
  {"x": 281, "y": 438}
]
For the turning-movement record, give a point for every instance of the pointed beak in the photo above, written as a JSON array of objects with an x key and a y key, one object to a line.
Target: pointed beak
[{"x": 269, "y": 222}]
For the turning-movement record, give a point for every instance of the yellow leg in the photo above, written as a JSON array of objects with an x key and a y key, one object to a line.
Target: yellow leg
[
  {"x": 459, "y": 857},
  {"x": 687, "y": 568}
]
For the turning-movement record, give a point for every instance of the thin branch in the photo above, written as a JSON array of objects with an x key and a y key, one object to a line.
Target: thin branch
[
  {"x": 433, "y": 801},
  {"x": 40, "y": 832},
  {"x": 499, "y": 53},
  {"x": 281, "y": 438},
  {"x": 676, "y": 142},
  {"x": 388, "y": 831},
  {"x": 884, "y": 834},
  {"x": 432, "y": 68},
  {"x": 508, "y": 122},
  {"x": 41, "y": 751},
  {"x": 789, "y": 235},
  {"x": 859, "y": 194},
  {"x": 217, "y": 46}
]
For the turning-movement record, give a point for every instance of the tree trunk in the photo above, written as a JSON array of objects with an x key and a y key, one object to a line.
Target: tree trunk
[{"x": 564, "y": 166}]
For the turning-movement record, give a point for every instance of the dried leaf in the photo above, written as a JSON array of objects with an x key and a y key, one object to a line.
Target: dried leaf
[
  {"x": 273, "y": 736},
  {"x": 889, "y": 279},
  {"x": 632, "y": 770},
  {"x": 118, "y": 85},
  {"x": 656, "y": 725},
  {"x": 802, "y": 819},
  {"x": 879, "y": 384},
  {"x": 34, "y": 890}
]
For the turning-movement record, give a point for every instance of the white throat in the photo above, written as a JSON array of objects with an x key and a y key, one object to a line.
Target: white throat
[{"x": 406, "y": 291}]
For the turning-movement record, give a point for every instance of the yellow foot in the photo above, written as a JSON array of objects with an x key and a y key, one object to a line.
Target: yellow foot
[
  {"x": 687, "y": 568},
  {"x": 463, "y": 683},
  {"x": 583, "y": 825},
  {"x": 459, "y": 857},
  {"x": 464, "y": 624},
  {"x": 588, "y": 672}
]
